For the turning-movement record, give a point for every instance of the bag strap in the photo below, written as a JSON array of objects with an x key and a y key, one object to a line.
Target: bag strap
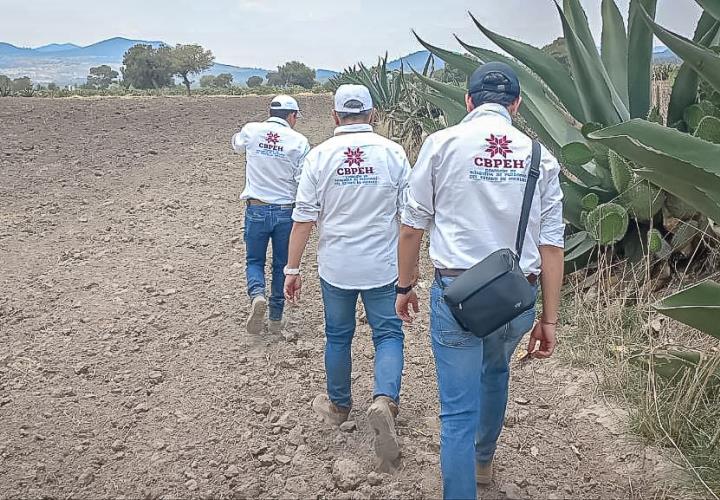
[{"x": 532, "y": 179}]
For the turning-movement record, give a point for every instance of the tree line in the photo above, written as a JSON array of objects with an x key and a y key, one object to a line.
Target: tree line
[{"x": 145, "y": 67}]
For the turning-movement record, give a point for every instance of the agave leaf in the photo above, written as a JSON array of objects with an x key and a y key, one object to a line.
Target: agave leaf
[
  {"x": 453, "y": 92},
  {"x": 697, "y": 306},
  {"x": 615, "y": 48},
  {"x": 684, "y": 91},
  {"x": 679, "y": 163},
  {"x": 577, "y": 18},
  {"x": 430, "y": 63},
  {"x": 712, "y": 7},
  {"x": 547, "y": 119},
  {"x": 640, "y": 47},
  {"x": 454, "y": 112},
  {"x": 704, "y": 61},
  {"x": 581, "y": 247},
  {"x": 598, "y": 97},
  {"x": 453, "y": 59},
  {"x": 549, "y": 69}
]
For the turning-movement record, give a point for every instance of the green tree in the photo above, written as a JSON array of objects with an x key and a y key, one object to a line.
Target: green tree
[
  {"x": 190, "y": 60},
  {"x": 297, "y": 73},
  {"x": 101, "y": 77},
  {"x": 146, "y": 67},
  {"x": 254, "y": 81},
  {"x": 207, "y": 81},
  {"x": 274, "y": 79},
  {"x": 22, "y": 84},
  {"x": 223, "y": 80},
  {"x": 52, "y": 87},
  {"x": 5, "y": 86}
]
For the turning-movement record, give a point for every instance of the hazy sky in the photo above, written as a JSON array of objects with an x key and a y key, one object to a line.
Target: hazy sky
[{"x": 322, "y": 33}]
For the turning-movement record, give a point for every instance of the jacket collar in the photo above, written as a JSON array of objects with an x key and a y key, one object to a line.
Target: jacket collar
[
  {"x": 488, "y": 109},
  {"x": 280, "y": 121},
  {"x": 354, "y": 128}
]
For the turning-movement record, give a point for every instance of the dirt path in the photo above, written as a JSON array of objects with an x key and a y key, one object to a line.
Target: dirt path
[{"x": 124, "y": 368}]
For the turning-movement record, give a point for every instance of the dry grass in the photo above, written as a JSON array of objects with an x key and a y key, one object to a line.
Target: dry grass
[{"x": 609, "y": 325}]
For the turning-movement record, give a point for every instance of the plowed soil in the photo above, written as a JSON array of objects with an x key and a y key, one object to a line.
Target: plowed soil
[{"x": 125, "y": 370}]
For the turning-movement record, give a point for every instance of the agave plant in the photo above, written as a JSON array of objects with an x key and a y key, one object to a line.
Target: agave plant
[
  {"x": 590, "y": 114},
  {"x": 403, "y": 114}
]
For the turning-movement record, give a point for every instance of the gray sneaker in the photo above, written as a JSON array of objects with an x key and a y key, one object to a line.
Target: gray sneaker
[
  {"x": 276, "y": 326},
  {"x": 381, "y": 416},
  {"x": 256, "y": 320},
  {"x": 484, "y": 473},
  {"x": 331, "y": 414}
]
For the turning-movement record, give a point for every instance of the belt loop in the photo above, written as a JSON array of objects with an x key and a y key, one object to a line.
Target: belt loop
[{"x": 438, "y": 279}]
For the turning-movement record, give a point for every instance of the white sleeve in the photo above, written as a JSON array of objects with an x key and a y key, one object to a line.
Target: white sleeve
[
  {"x": 420, "y": 206},
  {"x": 404, "y": 179},
  {"x": 307, "y": 201},
  {"x": 298, "y": 165},
  {"x": 241, "y": 140},
  {"x": 552, "y": 226}
]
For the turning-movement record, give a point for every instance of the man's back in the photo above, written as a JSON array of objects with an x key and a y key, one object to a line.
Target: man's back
[
  {"x": 354, "y": 186},
  {"x": 477, "y": 173},
  {"x": 274, "y": 153}
]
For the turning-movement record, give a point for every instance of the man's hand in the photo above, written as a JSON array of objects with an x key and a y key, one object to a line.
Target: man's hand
[
  {"x": 543, "y": 334},
  {"x": 404, "y": 304},
  {"x": 293, "y": 285}
]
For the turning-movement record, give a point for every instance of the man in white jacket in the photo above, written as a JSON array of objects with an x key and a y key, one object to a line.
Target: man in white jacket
[
  {"x": 274, "y": 153},
  {"x": 353, "y": 188},
  {"x": 467, "y": 189}
]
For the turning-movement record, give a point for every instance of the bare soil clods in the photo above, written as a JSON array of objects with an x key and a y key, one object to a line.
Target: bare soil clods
[{"x": 125, "y": 370}]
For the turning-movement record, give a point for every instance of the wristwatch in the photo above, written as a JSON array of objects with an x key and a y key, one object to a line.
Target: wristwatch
[
  {"x": 291, "y": 272},
  {"x": 403, "y": 290}
]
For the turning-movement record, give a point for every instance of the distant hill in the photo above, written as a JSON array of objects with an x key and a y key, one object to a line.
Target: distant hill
[
  {"x": 69, "y": 64},
  {"x": 56, "y": 47},
  {"x": 416, "y": 61}
]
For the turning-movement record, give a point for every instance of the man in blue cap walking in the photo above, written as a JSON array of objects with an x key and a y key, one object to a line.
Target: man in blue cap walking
[{"x": 467, "y": 189}]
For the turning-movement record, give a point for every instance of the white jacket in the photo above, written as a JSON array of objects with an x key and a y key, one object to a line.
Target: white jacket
[
  {"x": 354, "y": 186},
  {"x": 467, "y": 188},
  {"x": 274, "y": 153}
]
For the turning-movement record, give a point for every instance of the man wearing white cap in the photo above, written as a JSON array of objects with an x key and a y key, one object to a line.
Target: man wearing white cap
[
  {"x": 274, "y": 154},
  {"x": 353, "y": 188}
]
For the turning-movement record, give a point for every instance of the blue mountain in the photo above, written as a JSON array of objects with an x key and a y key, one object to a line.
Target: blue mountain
[
  {"x": 56, "y": 47},
  {"x": 416, "y": 61}
]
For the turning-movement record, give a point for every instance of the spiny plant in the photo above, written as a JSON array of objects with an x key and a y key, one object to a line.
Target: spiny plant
[{"x": 597, "y": 117}]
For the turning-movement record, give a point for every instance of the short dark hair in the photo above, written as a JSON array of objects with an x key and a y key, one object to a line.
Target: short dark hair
[
  {"x": 282, "y": 113},
  {"x": 488, "y": 97}
]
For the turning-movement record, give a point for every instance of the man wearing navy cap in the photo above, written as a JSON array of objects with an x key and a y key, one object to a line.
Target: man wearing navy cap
[{"x": 467, "y": 189}]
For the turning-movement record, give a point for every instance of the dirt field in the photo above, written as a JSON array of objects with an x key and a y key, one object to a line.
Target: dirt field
[{"x": 125, "y": 370}]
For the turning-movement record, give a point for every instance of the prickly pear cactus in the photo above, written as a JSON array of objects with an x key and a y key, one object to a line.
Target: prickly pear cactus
[
  {"x": 608, "y": 223},
  {"x": 620, "y": 170},
  {"x": 642, "y": 199},
  {"x": 709, "y": 129},
  {"x": 693, "y": 116},
  {"x": 590, "y": 202}
]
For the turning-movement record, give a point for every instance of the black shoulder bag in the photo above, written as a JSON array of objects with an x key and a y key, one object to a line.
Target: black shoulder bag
[{"x": 495, "y": 291}]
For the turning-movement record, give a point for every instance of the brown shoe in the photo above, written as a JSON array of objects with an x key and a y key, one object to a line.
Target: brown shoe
[
  {"x": 484, "y": 473},
  {"x": 381, "y": 416},
  {"x": 331, "y": 414},
  {"x": 256, "y": 319}
]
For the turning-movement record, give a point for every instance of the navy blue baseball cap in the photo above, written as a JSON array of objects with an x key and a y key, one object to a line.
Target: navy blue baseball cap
[{"x": 484, "y": 79}]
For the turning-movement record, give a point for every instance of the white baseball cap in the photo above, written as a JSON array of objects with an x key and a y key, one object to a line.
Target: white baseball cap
[
  {"x": 285, "y": 103},
  {"x": 345, "y": 94}
]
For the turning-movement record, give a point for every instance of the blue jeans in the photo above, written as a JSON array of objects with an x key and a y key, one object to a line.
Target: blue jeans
[
  {"x": 473, "y": 376},
  {"x": 387, "y": 337},
  {"x": 262, "y": 224}
]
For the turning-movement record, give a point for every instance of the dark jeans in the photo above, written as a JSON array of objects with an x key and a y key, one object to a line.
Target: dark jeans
[{"x": 262, "y": 224}]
